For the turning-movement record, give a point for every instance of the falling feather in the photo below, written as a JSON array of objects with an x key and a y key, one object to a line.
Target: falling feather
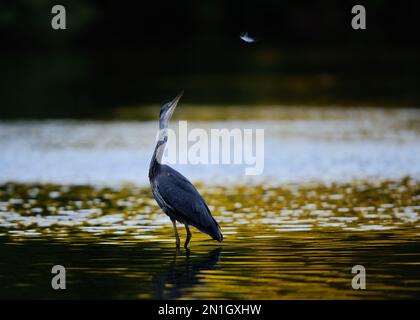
[{"x": 245, "y": 37}]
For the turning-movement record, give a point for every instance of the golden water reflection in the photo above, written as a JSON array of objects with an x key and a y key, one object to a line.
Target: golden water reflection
[{"x": 295, "y": 241}]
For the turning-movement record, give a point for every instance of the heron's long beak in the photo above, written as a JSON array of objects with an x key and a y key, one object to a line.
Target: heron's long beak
[
  {"x": 174, "y": 103},
  {"x": 176, "y": 100},
  {"x": 178, "y": 97}
]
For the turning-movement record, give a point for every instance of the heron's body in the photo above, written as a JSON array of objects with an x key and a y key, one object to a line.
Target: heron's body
[{"x": 177, "y": 196}]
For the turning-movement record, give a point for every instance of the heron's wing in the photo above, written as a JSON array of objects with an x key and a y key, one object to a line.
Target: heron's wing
[{"x": 179, "y": 194}]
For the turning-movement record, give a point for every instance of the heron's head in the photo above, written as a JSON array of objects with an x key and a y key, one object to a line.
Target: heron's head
[{"x": 167, "y": 110}]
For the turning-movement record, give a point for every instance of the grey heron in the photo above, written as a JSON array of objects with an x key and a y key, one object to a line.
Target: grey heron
[{"x": 175, "y": 194}]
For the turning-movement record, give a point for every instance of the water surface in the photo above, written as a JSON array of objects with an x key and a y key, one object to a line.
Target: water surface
[
  {"x": 327, "y": 144},
  {"x": 297, "y": 241},
  {"x": 340, "y": 188}
]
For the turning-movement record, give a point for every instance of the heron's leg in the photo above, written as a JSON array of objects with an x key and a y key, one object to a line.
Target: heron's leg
[
  {"x": 178, "y": 242},
  {"x": 188, "y": 236}
]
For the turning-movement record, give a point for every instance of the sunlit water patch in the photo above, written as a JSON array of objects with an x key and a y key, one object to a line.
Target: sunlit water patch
[
  {"x": 322, "y": 144},
  {"x": 289, "y": 241}
]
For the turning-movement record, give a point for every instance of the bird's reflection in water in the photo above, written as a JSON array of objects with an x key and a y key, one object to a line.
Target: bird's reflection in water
[{"x": 183, "y": 273}]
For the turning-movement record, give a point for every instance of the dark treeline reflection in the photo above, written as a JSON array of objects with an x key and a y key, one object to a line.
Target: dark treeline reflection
[
  {"x": 116, "y": 55},
  {"x": 102, "y": 271},
  {"x": 98, "y": 23},
  {"x": 296, "y": 267}
]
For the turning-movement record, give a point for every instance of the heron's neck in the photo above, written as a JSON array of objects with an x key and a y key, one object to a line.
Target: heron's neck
[
  {"x": 158, "y": 153},
  {"x": 159, "y": 150}
]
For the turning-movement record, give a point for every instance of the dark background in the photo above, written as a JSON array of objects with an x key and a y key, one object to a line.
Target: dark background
[{"x": 117, "y": 54}]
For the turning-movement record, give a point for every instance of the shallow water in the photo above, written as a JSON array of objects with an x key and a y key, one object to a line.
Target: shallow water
[
  {"x": 295, "y": 241},
  {"x": 327, "y": 144},
  {"x": 340, "y": 187}
]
